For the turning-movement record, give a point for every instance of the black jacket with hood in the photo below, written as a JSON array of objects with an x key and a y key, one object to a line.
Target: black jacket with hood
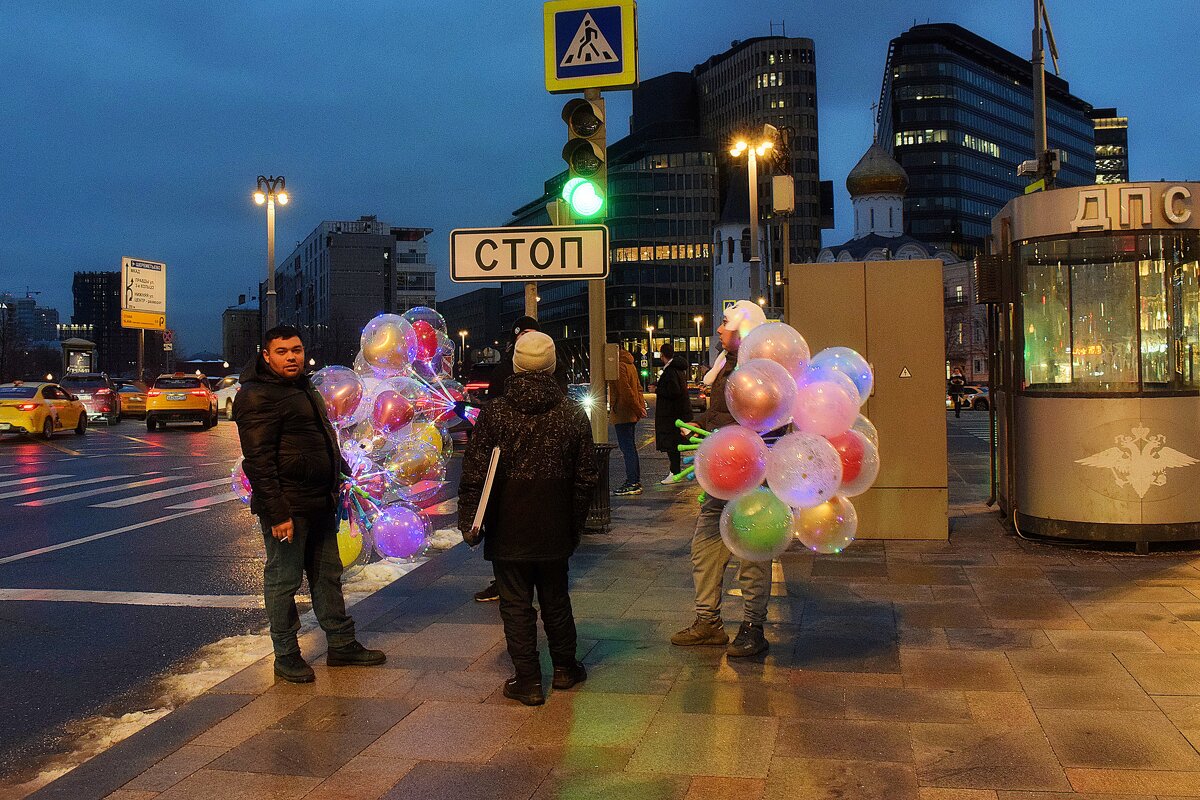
[
  {"x": 290, "y": 448},
  {"x": 544, "y": 481},
  {"x": 671, "y": 403}
]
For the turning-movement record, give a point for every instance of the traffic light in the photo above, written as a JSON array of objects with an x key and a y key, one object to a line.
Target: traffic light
[{"x": 586, "y": 190}]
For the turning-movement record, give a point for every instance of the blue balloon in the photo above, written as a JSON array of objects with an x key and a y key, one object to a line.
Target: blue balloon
[{"x": 849, "y": 363}]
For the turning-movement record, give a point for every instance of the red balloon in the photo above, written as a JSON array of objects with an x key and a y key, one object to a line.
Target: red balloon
[
  {"x": 391, "y": 412},
  {"x": 850, "y": 447},
  {"x": 427, "y": 340}
]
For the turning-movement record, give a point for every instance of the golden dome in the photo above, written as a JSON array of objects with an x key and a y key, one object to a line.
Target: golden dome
[{"x": 876, "y": 173}]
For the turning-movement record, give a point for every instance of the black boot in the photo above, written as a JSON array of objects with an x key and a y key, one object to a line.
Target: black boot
[
  {"x": 567, "y": 677},
  {"x": 527, "y": 690},
  {"x": 748, "y": 642},
  {"x": 354, "y": 655},
  {"x": 294, "y": 669}
]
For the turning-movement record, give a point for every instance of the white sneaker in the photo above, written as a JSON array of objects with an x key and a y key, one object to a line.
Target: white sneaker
[{"x": 667, "y": 481}]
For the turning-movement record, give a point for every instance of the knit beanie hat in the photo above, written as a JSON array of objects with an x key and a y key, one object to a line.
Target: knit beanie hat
[{"x": 534, "y": 353}]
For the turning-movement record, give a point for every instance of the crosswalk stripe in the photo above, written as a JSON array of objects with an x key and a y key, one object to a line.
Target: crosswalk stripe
[
  {"x": 34, "y": 479},
  {"x": 84, "y": 540},
  {"x": 51, "y": 501},
  {"x": 54, "y": 487},
  {"x": 134, "y": 598},
  {"x": 205, "y": 502},
  {"x": 146, "y": 498}
]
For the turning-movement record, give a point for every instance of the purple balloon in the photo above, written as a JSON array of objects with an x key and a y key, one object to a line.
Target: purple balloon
[{"x": 400, "y": 532}]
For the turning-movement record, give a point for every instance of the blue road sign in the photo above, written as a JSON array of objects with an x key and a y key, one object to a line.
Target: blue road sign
[{"x": 590, "y": 44}]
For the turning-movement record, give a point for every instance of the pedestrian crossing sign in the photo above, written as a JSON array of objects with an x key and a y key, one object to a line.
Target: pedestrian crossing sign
[{"x": 590, "y": 44}]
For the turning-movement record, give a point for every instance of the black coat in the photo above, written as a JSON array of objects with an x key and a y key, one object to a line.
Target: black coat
[
  {"x": 504, "y": 370},
  {"x": 547, "y": 471},
  {"x": 289, "y": 446},
  {"x": 671, "y": 403}
]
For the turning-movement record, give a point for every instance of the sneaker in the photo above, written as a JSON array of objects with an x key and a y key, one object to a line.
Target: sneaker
[
  {"x": 525, "y": 690},
  {"x": 488, "y": 595},
  {"x": 701, "y": 631},
  {"x": 294, "y": 669},
  {"x": 567, "y": 677},
  {"x": 748, "y": 642},
  {"x": 354, "y": 655},
  {"x": 629, "y": 489},
  {"x": 667, "y": 481}
]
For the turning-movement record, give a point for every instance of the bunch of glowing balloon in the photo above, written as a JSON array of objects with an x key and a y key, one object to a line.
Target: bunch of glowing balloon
[{"x": 239, "y": 483}]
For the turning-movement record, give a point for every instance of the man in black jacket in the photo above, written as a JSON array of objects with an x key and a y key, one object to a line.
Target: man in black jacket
[
  {"x": 671, "y": 403},
  {"x": 292, "y": 459},
  {"x": 536, "y": 512}
]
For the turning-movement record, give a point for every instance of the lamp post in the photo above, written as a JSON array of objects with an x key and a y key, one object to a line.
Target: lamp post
[
  {"x": 269, "y": 190},
  {"x": 462, "y": 353},
  {"x": 699, "y": 337},
  {"x": 753, "y": 151}
]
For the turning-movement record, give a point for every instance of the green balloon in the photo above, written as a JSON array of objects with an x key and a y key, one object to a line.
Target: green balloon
[{"x": 757, "y": 525}]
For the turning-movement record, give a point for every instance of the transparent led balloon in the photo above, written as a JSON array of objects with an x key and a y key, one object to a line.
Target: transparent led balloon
[
  {"x": 804, "y": 469},
  {"x": 860, "y": 462},
  {"x": 824, "y": 408},
  {"x": 827, "y": 528},
  {"x": 342, "y": 391},
  {"x": 850, "y": 363},
  {"x": 778, "y": 342},
  {"x": 389, "y": 344},
  {"x": 756, "y": 526},
  {"x": 760, "y": 395},
  {"x": 400, "y": 531},
  {"x": 730, "y": 462}
]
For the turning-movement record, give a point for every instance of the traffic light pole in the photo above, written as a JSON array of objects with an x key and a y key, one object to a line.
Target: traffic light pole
[
  {"x": 531, "y": 298},
  {"x": 597, "y": 337}
]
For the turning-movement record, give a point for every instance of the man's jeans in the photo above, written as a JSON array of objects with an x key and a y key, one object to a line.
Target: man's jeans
[
  {"x": 313, "y": 551},
  {"x": 627, "y": 440},
  {"x": 710, "y": 557}
]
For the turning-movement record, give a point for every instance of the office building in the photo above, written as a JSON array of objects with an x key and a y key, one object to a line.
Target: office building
[
  {"x": 769, "y": 80},
  {"x": 241, "y": 332},
  {"x": 955, "y": 111},
  {"x": 1112, "y": 145},
  {"x": 30, "y": 321},
  {"x": 478, "y": 313},
  {"x": 346, "y": 272},
  {"x": 97, "y": 318}
]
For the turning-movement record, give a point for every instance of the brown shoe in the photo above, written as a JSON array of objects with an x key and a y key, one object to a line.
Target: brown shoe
[{"x": 701, "y": 632}]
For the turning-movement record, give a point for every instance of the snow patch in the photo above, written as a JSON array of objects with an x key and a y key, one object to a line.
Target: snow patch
[
  {"x": 445, "y": 538},
  {"x": 376, "y": 576}
]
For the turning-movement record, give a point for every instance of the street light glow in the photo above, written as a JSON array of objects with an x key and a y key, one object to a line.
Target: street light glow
[
  {"x": 282, "y": 197},
  {"x": 260, "y": 198}
]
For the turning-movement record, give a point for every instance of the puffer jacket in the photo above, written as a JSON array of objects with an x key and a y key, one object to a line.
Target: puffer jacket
[
  {"x": 289, "y": 446},
  {"x": 671, "y": 403},
  {"x": 544, "y": 481},
  {"x": 717, "y": 415},
  {"x": 626, "y": 401}
]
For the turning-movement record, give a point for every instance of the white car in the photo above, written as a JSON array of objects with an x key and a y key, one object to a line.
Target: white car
[{"x": 225, "y": 390}]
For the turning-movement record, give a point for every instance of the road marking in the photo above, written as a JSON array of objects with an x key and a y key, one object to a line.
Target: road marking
[
  {"x": 136, "y": 598},
  {"x": 63, "y": 545},
  {"x": 50, "y": 501},
  {"x": 56, "y": 486},
  {"x": 146, "y": 498},
  {"x": 34, "y": 479},
  {"x": 157, "y": 445},
  {"x": 216, "y": 499},
  {"x": 50, "y": 443}
]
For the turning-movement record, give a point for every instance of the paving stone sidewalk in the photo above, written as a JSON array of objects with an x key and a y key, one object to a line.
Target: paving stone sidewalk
[{"x": 983, "y": 668}]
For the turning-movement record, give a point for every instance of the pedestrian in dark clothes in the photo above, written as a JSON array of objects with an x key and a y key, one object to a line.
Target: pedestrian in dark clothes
[
  {"x": 627, "y": 405},
  {"x": 671, "y": 403},
  {"x": 957, "y": 386},
  {"x": 536, "y": 512},
  {"x": 292, "y": 460}
]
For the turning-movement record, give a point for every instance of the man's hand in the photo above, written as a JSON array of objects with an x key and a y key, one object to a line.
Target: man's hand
[{"x": 282, "y": 531}]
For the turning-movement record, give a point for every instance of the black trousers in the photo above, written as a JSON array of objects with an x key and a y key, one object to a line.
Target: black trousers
[
  {"x": 516, "y": 582},
  {"x": 675, "y": 459}
]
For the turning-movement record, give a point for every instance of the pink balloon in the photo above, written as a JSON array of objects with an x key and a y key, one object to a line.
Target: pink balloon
[
  {"x": 731, "y": 462},
  {"x": 778, "y": 342},
  {"x": 391, "y": 412},
  {"x": 400, "y": 532},
  {"x": 824, "y": 408},
  {"x": 342, "y": 390},
  {"x": 760, "y": 394}
]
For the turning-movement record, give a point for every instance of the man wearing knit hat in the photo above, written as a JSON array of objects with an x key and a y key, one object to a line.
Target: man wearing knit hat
[
  {"x": 536, "y": 512},
  {"x": 710, "y": 556}
]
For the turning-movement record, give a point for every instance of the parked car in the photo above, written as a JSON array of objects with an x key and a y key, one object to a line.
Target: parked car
[
  {"x": 226, "y": 390},
  {"x": 181, "y": 398},
  {"x": 478, "y": 379},
  {"x": 98, "y": 393},
  {"x": 973, "y": 397},
  {"x": 698, "y": 396},
  {"x": 132, "y": 395},
  {"x": 41, "y": 408}
]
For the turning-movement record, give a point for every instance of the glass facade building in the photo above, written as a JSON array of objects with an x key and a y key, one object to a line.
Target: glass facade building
[
  {"x": 1112, "y": 146},
  {"x": 956, "y": 112}
]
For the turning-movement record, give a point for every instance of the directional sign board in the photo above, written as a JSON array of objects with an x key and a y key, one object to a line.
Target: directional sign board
[
  {"x": 590, "y": 44},
  {"x": 143, "y": 294},
  {"x": 553, "y": 253}
]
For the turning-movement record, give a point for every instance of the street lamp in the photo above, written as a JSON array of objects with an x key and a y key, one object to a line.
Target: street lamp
[
  {"x": 462, "y": 353},
  {"x": 753, "y": 150},
  {"x": 270, "y": 190},
  {"x": 699, "y": 337}
]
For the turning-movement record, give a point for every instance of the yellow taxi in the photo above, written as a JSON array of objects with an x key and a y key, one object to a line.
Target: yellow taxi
[
  {"x": 133, "y": 398},
  {"x": 180, "y": 398},
  {"x": 41, "y": 408}
]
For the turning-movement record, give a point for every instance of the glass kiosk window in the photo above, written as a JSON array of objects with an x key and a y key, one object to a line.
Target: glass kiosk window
[{"x": 1111, "y": 314}]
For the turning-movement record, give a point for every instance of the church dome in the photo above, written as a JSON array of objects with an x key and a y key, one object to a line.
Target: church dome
[{"x": 876, "y": 173}]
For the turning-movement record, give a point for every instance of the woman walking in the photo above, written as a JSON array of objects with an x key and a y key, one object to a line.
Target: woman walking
[{"x": 671, "y": 403}]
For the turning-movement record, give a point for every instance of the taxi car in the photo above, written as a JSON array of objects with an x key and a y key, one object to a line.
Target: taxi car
[
  {"x": 41, "y": 408},
  {"x": 133, "y": 398},
  {"x": 180, "y": 398}
]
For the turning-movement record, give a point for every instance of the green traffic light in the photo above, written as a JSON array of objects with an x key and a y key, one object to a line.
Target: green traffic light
[
  {"x": 645, "y": 373},
  {"x": 583, "y": 196}
]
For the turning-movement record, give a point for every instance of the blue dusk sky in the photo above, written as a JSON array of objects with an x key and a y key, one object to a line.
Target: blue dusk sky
[{"x": 137, "y": 128}]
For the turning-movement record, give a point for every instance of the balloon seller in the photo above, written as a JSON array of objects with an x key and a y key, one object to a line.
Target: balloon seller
[{"x": 710, "y": 556}]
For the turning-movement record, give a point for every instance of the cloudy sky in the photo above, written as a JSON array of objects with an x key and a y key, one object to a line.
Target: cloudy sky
[{"x": 137, "y": 128}]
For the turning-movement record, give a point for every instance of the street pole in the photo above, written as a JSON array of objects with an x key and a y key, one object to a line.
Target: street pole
[
  {"x": 531, "y": 297},
  {"x": 597, "y": 338},
  {"x": 755, "y": 262},
  {"x": 271, "y": 317},
  {"x": 141, "y": 373}
]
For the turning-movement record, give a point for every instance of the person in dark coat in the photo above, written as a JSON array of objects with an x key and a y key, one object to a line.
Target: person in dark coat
[
  {"x": 536, "y": 512},
  {"x": 672, "y": 403},
  {"x": 956, "y": 388},
  {"x": 291, "y": 457},
  {"x": 505, "y": 368}
]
